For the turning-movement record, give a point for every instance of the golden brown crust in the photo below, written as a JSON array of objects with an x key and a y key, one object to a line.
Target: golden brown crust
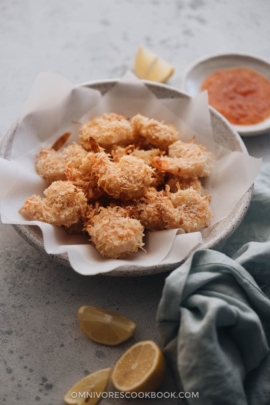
[
  {"x": 127, "y": 179},
  {"x": 114, "y": 233},
  {"x": 51, "y": 165},
  {"x": 185, "y": 160},
  {"x": 156, "y": 133},
  {"x": 179, "y": 183},
  {"x": 64, "y": 204},
  {"x": 185, "y": 209},
  {"x": 124, "y": 177},
  {"x": 107, "y": 129}
]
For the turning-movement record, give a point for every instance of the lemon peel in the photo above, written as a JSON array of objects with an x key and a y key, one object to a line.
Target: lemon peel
[
  {"x": 140, "y": 369},
  {"x": 149, "y": 66},
  {"x": 105, "y": 327},
  {"x": 89, "y": 389}
]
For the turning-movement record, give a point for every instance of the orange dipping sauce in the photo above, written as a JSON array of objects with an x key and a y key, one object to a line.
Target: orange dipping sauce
[{"x": 241, "y": 95}]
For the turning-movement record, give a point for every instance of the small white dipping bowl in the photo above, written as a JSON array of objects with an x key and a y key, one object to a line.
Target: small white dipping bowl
[{"x": 198, "y": 71}]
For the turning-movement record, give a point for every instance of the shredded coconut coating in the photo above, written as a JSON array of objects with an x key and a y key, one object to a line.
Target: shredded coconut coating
[
  {"x": 86, "y": 175},
  {"x": 191, "y": 211},
  {"x": 127, "y": 179},
  {"x": 148, "y": 210},
  {"x": 185, "y": 209},
  {"x": 185, "y": 160},
  {"x": 146, "y": 155},
  {"x": 156, "y": 133},
  {"x": 124, "y": 177},
  {"x": 64, "y": 204},
  {"x": 178, "y": 183},
  {"x": 114, "y": 234},
  {"x": 118, "y": 152},
  {"x": 51, "y": 165},
  {"x": 107, "y": 130}
]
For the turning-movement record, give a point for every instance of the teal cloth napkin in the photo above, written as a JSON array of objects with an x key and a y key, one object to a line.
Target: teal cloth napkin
[{"x": 214, "y": 317}]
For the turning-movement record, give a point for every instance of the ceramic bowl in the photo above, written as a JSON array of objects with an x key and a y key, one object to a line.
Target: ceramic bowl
[
  {"x": 199, "y": 70},
  {"x": 223, "y": 134}
]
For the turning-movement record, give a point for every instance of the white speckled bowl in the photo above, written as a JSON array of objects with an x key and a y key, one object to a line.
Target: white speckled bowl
[
  {"x": 200, "y": 69},
  {"x": 224, "y": 134}
]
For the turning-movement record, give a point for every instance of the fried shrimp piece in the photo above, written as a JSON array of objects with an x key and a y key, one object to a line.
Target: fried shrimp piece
[
  {"x": 64, "y": 204},
  {"x": 156, "y": 133},
  {"x": 185, "y": 160},
  {"x": 85, "y": 176},
  {"x": 107, "y": 130},
  {"x": 191, "y": 211},
  {"x": 189, "y": 150},
  {"x": 148, "y": 210},
  {"x": 114, "y": 234},
  {"x": 51, "y": 165},
  {"x": 146, "y": 155},
  {"x": 129, "y": 178},
  {"x": 185, "y": 209}
]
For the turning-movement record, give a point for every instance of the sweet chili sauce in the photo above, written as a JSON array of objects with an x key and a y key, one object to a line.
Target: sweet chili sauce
[{"x": 240, "y": 94}]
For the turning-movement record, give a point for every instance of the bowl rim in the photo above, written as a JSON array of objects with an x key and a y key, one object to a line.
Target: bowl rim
[
  {"x": 243, "y": 130},
  {"x": 121, "y": 271}
]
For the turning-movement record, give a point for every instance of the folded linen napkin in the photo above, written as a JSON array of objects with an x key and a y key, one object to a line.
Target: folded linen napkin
[{"x": 215, "y": 319}]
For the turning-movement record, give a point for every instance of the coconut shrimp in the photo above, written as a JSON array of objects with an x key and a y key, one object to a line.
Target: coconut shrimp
[
  {"x": 148, "y": 209},
  {"x": 129, "y": 178},
  {"x": 51, "y": 165},
  {"x": 156, "y": 133},
  {"x": 185, "y": 160},
  {"x": 108, "y": 129},
  {"x": 84, "y": 176},
  {"x": 145, "y": 155},
  {"x": 85, "y": 180},
  {"x": 185, "y": 209},
  {"x": 125, "y": 179},
  {"x": 191, "y": 211},
  {"x": 64, "y": 204},
  {"x": 114, "y": 234}
]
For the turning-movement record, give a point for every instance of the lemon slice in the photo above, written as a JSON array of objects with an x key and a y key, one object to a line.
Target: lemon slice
[
  {"x": 149, "y": 66},
  {"x": 140, "y": 369},
  {"x": 89, "y": 389},
  {"x": 105, "y": 327}
]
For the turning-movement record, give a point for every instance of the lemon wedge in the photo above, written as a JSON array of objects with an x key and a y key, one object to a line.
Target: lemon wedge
[
  {"x": 105, "y": 327},
  {"x": 89, "y": 389},
  {"x": 149, "y": 66},
  {"x": 140, "y": 369}
]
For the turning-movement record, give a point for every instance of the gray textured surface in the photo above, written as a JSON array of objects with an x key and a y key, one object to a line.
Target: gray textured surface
[{"x": 42, "y": 350}]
